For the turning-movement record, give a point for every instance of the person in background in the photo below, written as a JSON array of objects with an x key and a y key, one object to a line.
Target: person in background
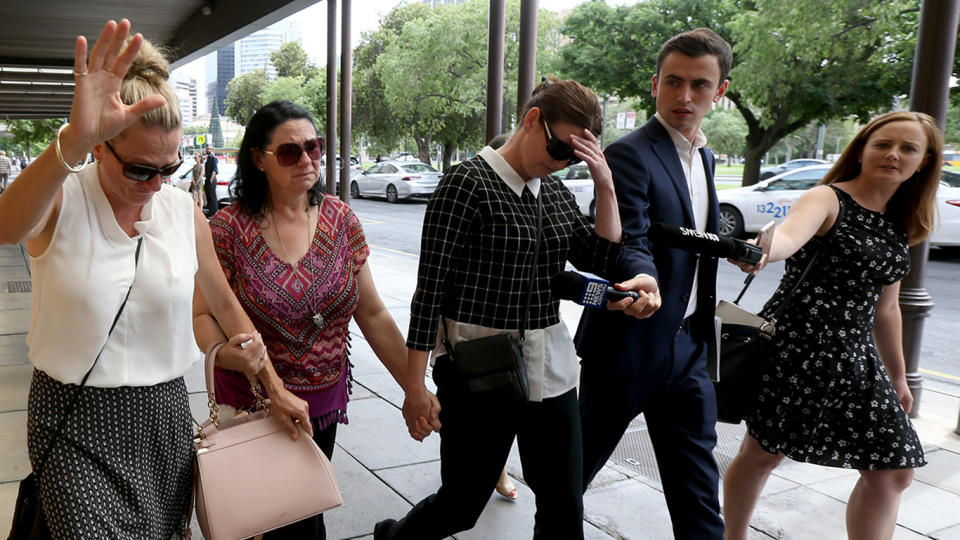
[
  {"x": 655, "y": 361},
  {"x": 210, "y": 171},
  {"x": 196, "y": 189},
  {"x": 297, "y": 261},
  {"x": 479, "y": 238},
  {"x": 123, "y": 465},
  {"x": 6, "y": 167},
  {"x": 834, "y": 390}
]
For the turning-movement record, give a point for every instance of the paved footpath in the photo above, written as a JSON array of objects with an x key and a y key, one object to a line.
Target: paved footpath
[{"x": 382, "y": 472}]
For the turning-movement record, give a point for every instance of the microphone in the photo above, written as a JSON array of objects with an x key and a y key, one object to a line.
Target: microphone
[
  {"x": 705, "y": 243},
  {"x": 587, "y": 289}
]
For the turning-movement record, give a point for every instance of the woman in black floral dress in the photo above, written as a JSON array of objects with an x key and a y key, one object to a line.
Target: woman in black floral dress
[{"x": 834, "y": 392}]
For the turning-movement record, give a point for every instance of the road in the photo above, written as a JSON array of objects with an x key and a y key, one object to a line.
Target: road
[{"x": 397, "y": 227}]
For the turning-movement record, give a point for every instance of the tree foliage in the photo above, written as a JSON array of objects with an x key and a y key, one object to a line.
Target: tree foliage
[
  {"x": 290, "y": 60},
  {"x": 423, "y": 73},
  {"x": 794, "y": 62},
  {"x": 243, "y": 95},
  {"x": 216, "y": 134},
  {"x": 32, "y": 136},
  {"x": 726, "y": 131}
]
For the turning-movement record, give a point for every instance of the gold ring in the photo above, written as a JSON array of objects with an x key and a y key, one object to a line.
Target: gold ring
[
  {"x": 296, "y": 420},
  {"x": 79, "y": 73}
]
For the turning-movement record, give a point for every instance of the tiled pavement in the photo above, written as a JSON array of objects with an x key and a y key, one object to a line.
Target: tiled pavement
[{"x": 382, "y": 471}]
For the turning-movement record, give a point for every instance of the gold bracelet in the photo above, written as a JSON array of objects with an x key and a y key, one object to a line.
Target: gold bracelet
[{"x": 86, "y": 159}]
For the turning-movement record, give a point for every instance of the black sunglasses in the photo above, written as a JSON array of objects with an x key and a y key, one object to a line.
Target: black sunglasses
[
  {"x": 289, "y": 153},
  {"x": 143, "y": 173},
  {"x": 558, "y": 149}
]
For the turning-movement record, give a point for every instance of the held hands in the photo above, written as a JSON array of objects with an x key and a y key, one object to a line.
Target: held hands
[
  {"x": 587, "y": 148},
  {"x": 649, "y": 302},
  {"x": 98, "y": 113},
  {"x": 421, "y": 412}
]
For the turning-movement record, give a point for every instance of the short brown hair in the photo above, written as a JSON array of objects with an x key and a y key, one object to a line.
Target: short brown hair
[
  {"x": 696, "y": 43},
  {"x": 913, "y": 203},
  {"x": 563, "y": 100}
]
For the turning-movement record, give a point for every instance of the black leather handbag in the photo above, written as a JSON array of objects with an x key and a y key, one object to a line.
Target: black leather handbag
[
  {"x": 744, "y": 347},
  {"x": 492, "y": 364}
]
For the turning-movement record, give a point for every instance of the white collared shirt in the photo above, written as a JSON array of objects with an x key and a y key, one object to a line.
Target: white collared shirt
[{"x": 696, "y": 176}]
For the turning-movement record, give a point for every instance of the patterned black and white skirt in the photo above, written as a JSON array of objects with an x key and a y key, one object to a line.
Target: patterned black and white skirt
[{"x": 123, "y": 467}]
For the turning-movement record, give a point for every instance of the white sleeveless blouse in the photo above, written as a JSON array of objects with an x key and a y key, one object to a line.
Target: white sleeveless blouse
[{"x": 80, "y": 280}]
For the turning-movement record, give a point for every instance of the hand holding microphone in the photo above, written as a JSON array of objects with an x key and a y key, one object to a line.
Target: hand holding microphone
[{"x": 638, "y": 296}]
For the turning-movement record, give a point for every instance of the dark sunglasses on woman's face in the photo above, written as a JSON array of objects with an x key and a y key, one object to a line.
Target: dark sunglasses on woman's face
[
  {"x": 144, "y": 173},
  {"x": 558, "y": 149},
  {"x": 288, "y": 154}
]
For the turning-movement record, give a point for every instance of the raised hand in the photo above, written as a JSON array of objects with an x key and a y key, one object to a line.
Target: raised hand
[
  {"x": 98, "y": 113},
  {"x": 587, "y": 148}
]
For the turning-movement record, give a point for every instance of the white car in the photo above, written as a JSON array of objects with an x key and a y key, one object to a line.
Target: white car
[
  {"x": 578, "y": 180},
  {"x": 947, "y": 232},
  {"x": 747, "y": 209},
  {"x": 395, "y": 180}
]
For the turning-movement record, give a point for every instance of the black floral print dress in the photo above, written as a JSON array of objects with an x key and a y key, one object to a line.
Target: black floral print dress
[{"x": 825, "y": 396}]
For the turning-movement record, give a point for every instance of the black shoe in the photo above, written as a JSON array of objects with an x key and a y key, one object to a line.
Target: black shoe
[{"x": 381, "y": 529}]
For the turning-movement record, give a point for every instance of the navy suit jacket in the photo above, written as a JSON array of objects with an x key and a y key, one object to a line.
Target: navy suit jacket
[{"x": 651, "y": 188}]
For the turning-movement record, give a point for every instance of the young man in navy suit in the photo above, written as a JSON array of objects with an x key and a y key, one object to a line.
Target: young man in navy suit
[{"x": 652, "y": 358}]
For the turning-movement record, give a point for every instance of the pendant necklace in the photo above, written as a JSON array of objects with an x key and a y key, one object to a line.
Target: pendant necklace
[{"x": 317, "y": 317}]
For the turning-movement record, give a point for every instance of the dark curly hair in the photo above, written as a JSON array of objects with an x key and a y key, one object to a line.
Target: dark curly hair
[{"x": 250, "y": 183}]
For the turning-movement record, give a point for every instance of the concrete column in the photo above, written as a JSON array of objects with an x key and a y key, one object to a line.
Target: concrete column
[
  {"x": 932, "y": 65},
  {"x": 527, "y": 66},
  {"x": 331, "y": 169},
  {"x": 346, "y": 99},
  {"x": 495, "y": 68}
]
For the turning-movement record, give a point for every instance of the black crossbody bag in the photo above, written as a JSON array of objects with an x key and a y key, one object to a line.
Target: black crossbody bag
[
  {"x": 492, "y": 364},
  {"x": 28, "y": 519}
]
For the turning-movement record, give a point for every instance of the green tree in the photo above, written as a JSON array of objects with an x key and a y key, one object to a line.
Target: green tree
[
  {"x": 215, "y": 132},
  {"x": 32, "y": 136},
  {"x": 795, "y": 62},
  {"x": 952, "y": 131},
  {"x": 371, "y": 113},
  {"x": 726, "y": 131},
  {"x": 243, "y": 95},
  {"x": 290, "y": 60},
  {"x": 430, "y": 76}
]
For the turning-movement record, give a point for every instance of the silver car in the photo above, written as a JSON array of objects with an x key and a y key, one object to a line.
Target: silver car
[{"x": 395, "y": 180}]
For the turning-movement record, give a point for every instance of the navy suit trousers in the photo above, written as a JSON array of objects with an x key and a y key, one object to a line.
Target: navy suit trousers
[{"x": 679, "y": 406}]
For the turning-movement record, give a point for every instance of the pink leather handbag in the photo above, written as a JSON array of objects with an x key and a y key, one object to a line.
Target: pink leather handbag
[{"x": 251, "y": 478}]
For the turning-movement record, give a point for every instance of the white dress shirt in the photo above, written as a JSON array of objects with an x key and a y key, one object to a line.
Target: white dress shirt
[{"x": 696, "y": 177}]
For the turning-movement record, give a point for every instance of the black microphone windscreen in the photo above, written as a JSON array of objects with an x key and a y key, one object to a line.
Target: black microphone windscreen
[{"x": 567, "y": 285}]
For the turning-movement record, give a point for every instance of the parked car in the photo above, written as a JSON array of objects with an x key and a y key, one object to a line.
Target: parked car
[
  {"x": 579, "y": 181},
  {"x": 769, "y": 172},
  {"x": 747, "y": 209},
  {"x": 395, "y": 180},
  {"x": 947, "y": 231}
]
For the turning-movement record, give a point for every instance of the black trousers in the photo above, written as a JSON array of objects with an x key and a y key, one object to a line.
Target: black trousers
[
  {"x": 681, "y": 413},
  {"x": 210, "y": 190},
  {"x": 312, "y": 527},
  {"x": 475, "y": 442}
]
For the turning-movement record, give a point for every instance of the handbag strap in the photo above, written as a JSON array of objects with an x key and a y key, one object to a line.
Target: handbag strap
[
  {"x": 533, "y": 273},
  {"x": 806, "y": 270},
  {"x": 83, "y": 382}
]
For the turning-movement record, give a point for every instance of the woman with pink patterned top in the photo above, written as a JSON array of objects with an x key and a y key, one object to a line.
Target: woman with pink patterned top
[{"x": 297, "y": 261}]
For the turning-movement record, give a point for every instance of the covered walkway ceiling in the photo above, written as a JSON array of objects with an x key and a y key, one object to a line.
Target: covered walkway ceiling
[{"x": 37, "y": 40}]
